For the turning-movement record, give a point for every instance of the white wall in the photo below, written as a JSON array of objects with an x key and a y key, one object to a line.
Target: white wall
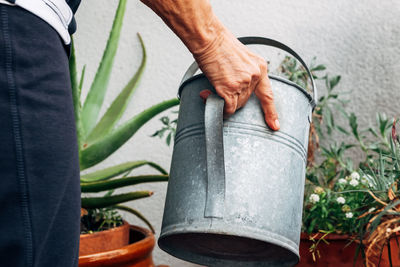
[{"x": 358, "y": 39}]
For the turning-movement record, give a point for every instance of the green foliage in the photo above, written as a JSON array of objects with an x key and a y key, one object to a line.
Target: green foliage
[
  {"x": 114, "y": 171},
  {"x": 100, "y": 186},
  {"x": 135, "y": 213},
  {"x": 101, "y": 149},
  {"x": 340, "y": 197},
  {"x": 95, "y": 97},
  {"x": 337, "y": 209},
  {"x": 168, "y": 129},
  {"x": 331, "y": 175},
  {"x": 107, "y": 200},
  {"x": 329, "y": 105},
  {"x": 115, "y": 111},
  {"x": 100, "y": 219},
  {"x": 98, "y": 138}
]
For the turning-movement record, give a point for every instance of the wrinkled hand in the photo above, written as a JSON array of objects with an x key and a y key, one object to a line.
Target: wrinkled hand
[
  {"x": 232, "y": 69},
  {"x": 235, "y": 72}
]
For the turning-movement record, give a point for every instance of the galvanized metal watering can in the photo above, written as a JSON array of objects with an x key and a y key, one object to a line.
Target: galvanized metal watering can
[{"x": 236, "y": 188}]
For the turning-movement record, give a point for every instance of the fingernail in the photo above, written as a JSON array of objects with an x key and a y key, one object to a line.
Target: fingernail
[
  {"x": 204, "y": 94},
  {"x": 276, "y": 124}
]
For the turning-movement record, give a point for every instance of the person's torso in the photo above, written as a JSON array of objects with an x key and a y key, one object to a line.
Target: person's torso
[{"x": 57, "y": 13}]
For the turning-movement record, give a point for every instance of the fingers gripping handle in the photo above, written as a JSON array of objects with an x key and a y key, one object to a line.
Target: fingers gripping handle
[
  {"x": 213, "y": 122},
  {"x": 269, "y": 42}
]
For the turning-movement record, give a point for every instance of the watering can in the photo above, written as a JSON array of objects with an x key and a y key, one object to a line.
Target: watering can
[{"x": 235, "y": 192}]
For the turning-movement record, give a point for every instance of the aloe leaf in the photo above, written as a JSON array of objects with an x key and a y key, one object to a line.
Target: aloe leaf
[
  {"x": 102, "y": 202},
  {"x": 102, "y": 148},
  {"x": 113, "y": 171},
  {"x": 137, "y": 214},
  {"x": 121, "y": 182},
  {"x": 76, "y": 94},
  {"x": 95, "y": 97},
  {"x": 117, "y": 108},
  {"x": 74, "y": 79},
  {"x": 82, "y": 78}
]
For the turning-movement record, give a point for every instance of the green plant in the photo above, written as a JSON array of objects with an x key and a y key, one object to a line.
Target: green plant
[
  {"x": 333, "y": 195},
  {"x": 168, "y": 129},
  {"x": 337, "y": 209},
  {"x": 340, "y": 197},
  {"x": 384, "y": 220},
  {"x": 100, "y": 219},
  {"x": 98, "y": 138}
]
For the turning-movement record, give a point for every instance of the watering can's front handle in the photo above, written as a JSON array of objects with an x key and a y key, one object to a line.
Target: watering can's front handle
[
  {"x": 269, "y": 42},
  {"x": 213, "y": 124}
]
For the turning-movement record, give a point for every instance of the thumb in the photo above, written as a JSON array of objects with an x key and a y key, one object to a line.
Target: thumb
[{"x": 264, "y": 93}]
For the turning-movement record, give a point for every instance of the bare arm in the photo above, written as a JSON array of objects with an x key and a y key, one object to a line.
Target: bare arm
[{"x": 233, "y": 70}]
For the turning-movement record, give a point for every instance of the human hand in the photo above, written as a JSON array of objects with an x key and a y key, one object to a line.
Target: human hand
[
  {"x": 232, "y": 69},
  {"x": 236, "y": 72}
]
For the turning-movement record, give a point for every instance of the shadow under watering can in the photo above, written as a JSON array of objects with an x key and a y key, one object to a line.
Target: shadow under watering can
[{"x": 236, "y": 188}]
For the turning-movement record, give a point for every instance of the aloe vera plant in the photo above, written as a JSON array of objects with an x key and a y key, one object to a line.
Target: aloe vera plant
[{"x": 98, "y": 138}]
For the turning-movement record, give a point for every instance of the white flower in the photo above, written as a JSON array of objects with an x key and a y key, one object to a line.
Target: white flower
[
  {"x": 355, "y": 176},
  {"x": 354, "y": 182},
  {"x": 342, "y": 181},
  {"x": 364, "y": 181},
  {"x": 371, "y": 209},
  {"x": 349, "y": 215},
  {"x": 341, "y": 200},
  {"x": 314, "y": 198}
]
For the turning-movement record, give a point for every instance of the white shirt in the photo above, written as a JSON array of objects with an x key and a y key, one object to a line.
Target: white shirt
[{"x": 57, "y": 13}]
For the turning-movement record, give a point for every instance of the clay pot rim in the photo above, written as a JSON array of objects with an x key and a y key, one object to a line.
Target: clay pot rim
[
  {"x": 142, "y": 247},
  {"x": 104, "y": 232}
]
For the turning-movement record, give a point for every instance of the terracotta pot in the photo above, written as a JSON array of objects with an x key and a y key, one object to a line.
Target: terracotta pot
[
  {"x": 338, "y": 253},
  {"x": 105, "y": 240},
  {"x": 136, "y": 254},
  {"x": 394, "y": 251}
]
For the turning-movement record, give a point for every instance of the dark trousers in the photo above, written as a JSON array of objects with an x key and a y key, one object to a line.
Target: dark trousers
[{"x": 39, "y": 166}]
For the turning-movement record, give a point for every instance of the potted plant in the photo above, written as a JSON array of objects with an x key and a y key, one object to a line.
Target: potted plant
[
  {"x": 324, "y": 210},
  {"x": 360, "y": 213},
  {"x": 340, "y": 206},
  {"x": 362, "y": 207},
  {"x": 98, "y": 138},
  {"x": 382, "y": 244}
]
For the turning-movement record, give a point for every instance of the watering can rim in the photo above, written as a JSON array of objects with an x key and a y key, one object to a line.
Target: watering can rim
[{"x": 271, "y": 76}]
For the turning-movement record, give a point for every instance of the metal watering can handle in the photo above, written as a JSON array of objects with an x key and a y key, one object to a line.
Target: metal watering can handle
[
  {"x": 268, "y": 42},
  {"x": 213, "y": 122}
]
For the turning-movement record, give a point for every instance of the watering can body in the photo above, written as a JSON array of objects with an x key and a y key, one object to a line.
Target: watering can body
[{"x": 236, "y": 188}]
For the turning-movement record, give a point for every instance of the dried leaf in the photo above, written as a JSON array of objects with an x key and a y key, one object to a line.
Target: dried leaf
[
  {"x": 391, "y": 193},
  {"x": 377, "y": 199}
]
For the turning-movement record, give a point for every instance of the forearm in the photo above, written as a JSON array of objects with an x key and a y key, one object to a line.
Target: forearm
[
  {"x": 233, "y": 70},
  {"x": 193, "y": 21}
]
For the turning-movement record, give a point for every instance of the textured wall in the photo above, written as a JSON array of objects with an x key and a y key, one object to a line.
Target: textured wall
[{"x": 357, "y": 39}]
